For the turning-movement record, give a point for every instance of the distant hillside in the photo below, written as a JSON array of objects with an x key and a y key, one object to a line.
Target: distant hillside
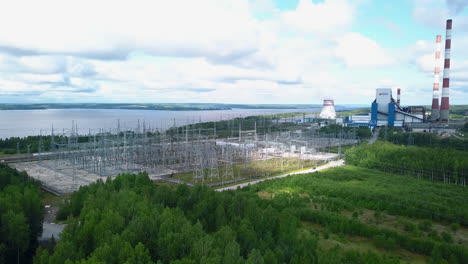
[
  {"x": 171, "y": 106},
  {"x": 113, "y": 106}
]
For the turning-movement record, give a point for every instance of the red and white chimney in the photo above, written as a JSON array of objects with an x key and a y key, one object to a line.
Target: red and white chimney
[
  {"x": 398, "y": 96},
  {"x": 435, "y": 89},
  {"x": 445, "y": 105}
]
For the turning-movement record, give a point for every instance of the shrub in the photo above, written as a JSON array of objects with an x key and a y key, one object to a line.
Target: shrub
[
  {"x": 454, "y": 227},
  {"x": 425, "y": 225},
  {"x": 446, "y": 237}
]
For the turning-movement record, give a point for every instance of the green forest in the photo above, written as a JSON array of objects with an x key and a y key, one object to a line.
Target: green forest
[
  {"x": 343, "y": 215},
  {"x": 388, "y": 156},
  {"x": 396, "y": 136},
  {"x": 21, "y": 216},
  {"x": 131, "y": 220},
  {"x": 398, "y": 217}
]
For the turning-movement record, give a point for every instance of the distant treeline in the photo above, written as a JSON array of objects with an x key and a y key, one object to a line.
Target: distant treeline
[
  {"x": 360, "y": 111},
  {"x": 230, "y": 128},
  {"x": 173, "y": 107},
  {"x": 21, "y": 216},
  {"x": 396, "y": 136},
  {"x": 386, "y": 155},
  {"x": 19, "y": 145},
  {"x": 459, "y": 109}
]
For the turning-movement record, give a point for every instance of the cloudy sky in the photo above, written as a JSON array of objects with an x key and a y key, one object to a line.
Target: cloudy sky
[{"x": 227, "y": 51}]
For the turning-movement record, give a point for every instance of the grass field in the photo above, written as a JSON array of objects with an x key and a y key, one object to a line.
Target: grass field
[
  {"x": 255, "y": 169},
  {"x": 369, "y": 211}
]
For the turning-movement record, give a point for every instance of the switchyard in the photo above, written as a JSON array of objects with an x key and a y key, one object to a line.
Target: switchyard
[{"x": 73, "y": 162}]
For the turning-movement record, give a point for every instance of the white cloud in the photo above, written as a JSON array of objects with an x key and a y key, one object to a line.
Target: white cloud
[
  {"x": 189, "y": 51},
  {"x": 112, "y": 29},
  {"x": 326, "y": 17},
  {"x": 34, "y": 64},
  {"x": 359, "y": 51}
]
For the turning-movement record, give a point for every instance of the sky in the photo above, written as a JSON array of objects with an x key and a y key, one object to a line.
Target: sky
[{"x": 227, "y": 51}]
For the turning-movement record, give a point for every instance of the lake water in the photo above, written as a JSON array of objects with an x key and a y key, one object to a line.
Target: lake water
[{"x": 21, "y": 123}]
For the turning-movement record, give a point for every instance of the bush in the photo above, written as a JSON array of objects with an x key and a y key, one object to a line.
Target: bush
[
  {"x": 9, "y": 151},
  {"x": 384, "y": 242},
  {"x": 446, "y": 237},
  {"x": 425, "y": 225},
  {"x": 454, "y": 227},
  {"x": 410, "y": 227}
]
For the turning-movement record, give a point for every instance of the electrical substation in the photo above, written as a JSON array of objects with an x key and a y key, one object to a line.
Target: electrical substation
[{"x": 73, "y": 162}]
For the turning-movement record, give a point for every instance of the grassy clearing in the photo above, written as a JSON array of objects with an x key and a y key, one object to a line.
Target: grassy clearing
[
  {"x": 255, "y": 169},
  {"x": 167, "y": 184}
]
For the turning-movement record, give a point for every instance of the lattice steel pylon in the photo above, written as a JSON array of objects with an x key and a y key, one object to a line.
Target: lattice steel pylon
[
  {"x": 227, "y": 155},
  {"x": 212, "y": 165}
]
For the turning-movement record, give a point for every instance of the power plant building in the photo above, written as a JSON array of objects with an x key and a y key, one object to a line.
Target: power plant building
[{"x": 385, "y": 111}]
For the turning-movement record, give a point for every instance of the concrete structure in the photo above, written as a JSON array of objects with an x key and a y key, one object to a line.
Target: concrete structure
[
  {"x": 339, "y": 121},
  {"x": 435, "y": 96},
  {"x": 328, "y": 111},
  {"x": 445, "y": 105}
]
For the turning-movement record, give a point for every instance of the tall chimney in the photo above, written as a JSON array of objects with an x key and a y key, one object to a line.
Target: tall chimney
[
  {"x": 435, "y": 89},
  {"x": 444, "y": 106},
  {"x": 398, "y": 96}
]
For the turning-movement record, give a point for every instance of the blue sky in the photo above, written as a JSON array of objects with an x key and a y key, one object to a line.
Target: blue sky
[{"x": 227, "y": 51}]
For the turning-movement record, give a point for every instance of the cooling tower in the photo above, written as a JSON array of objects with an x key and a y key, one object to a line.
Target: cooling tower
[{"x": 328, "y": 111}]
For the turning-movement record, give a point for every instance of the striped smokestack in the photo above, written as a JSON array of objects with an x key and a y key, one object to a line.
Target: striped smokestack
[
  {"x": 444, "y": 106},
  {"x": 435, "y": 96},
  {"x": 398, "y": 96}
]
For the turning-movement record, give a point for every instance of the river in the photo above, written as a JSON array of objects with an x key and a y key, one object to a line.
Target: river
[{"x": 22, "y": 123}]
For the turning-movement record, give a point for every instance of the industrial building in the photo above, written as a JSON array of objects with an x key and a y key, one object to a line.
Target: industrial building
[{"x": 386, "y": 111}]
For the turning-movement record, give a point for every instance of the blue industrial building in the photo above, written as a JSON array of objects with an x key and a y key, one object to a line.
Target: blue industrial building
[{"x": 386, "y": 112}]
